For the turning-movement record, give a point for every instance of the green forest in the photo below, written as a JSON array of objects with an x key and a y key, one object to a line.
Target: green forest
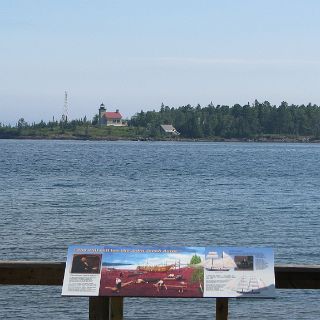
[
  {"x": 192, "y": 122},
  {"x": 247, "y": 121}
]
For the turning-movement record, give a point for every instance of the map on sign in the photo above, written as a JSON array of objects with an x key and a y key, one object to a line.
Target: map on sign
[{"x": 190, "y": 272}]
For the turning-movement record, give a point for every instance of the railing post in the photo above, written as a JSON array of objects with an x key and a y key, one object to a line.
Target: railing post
[
  {"x": 99, "y": 308},
  {"x": 222, "y": 309},
  {"x": 116, "y": 308}
]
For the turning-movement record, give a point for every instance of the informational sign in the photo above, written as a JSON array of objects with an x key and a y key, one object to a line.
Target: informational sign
[{"x": 190, "y": 272}]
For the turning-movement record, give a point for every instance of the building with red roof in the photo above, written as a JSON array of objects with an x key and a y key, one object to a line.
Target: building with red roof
[{"x": 110, "y": 118}]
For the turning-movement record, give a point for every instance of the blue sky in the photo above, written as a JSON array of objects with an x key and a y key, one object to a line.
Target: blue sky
[{"x": 134, "y": 55}]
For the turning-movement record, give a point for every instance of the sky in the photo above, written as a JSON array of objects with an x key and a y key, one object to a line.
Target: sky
[
  {"x": 147, "y": 255},
  {"x": 135, "y": 55},
  {"x": 152, "y": 259}
]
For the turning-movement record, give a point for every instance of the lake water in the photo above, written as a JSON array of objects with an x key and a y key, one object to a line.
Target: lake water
[{"x": 57, "y": 193}]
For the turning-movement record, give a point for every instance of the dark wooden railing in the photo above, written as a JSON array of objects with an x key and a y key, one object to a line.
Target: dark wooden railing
[{"x": 111, "y": 308}]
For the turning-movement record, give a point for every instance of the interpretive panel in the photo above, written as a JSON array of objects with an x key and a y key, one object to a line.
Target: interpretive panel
[{"x": 145, "y": 271}]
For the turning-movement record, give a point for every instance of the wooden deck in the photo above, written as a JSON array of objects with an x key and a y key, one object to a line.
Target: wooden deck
[{"x": 105, "y": 308}]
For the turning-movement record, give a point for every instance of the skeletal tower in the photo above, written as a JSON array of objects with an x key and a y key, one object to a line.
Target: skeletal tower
[{"x": 65, "y": 107}]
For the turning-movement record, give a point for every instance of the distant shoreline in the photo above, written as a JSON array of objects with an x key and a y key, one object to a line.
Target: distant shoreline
[{"x": 282, "y": 139}]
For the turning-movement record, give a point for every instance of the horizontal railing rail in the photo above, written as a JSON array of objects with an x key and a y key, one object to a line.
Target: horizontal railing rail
[{"x": 102, "y": 308}]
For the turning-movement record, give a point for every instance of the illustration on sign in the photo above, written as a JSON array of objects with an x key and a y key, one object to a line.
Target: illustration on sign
[{"x": 140, "y": 271}]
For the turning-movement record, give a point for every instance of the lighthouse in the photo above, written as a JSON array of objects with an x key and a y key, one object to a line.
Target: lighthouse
[{"x": 102, "y": 111}]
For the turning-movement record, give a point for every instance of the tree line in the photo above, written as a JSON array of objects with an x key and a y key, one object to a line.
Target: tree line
[
  {"x": 238, "y": 121},
  {"x": 23, "y": 128}
]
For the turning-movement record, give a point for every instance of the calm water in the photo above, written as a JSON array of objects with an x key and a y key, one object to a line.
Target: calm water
[{"x": 56, "y": 193}]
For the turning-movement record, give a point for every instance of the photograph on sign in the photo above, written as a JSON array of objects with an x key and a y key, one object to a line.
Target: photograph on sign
[{"x": 86, "y": 263}]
